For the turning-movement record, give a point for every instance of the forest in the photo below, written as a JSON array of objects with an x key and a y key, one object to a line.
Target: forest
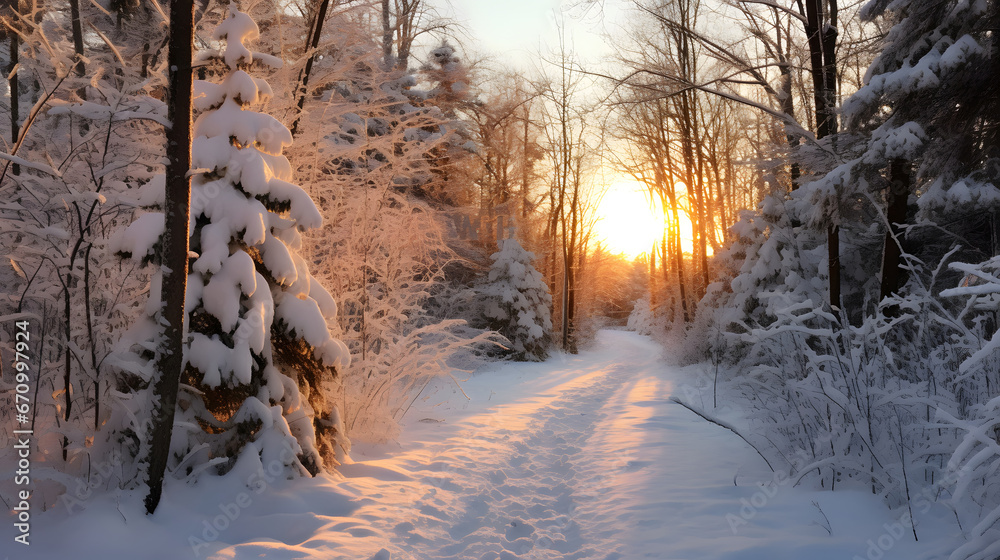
[{"x": 238, "y": 236}]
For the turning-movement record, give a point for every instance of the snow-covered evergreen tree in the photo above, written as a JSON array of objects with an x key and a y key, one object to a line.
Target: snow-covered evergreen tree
[
  {"x": 258, "y": 350},
  {"x": 449, "y": 159},
  {"x": 924, "y": 127},
  {"x": 517, "y": 302}
]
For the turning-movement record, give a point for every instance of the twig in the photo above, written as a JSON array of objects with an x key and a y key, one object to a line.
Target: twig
[
  {"x": 828, "y": 527},
  {"x": 725, "y": 425}
]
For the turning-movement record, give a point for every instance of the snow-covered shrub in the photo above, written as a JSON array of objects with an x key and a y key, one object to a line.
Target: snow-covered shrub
[
  {"x": 841, "y": 404},
  {"x": 85, "y": 143},
  {"x": 367, "y": 150},
  {"x": 641, "y": 319},
  {"x": 259, "y": 353},
  {"x": 516, "y": 302},
  {"x": 972, "y": 467}
]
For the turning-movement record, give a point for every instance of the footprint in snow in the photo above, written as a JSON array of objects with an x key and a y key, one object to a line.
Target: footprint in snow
[
  {"x": 517, "y": 529},
  {"x": 633, "y": 466}
]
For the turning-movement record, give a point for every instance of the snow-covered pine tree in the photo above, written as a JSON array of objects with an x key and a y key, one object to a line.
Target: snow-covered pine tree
[
  {"x": 258, "y": 349},
  {"x": 924, "y": 129},
  {"x": 450, "y": 157},
  {"x": 517, "y": 302}
]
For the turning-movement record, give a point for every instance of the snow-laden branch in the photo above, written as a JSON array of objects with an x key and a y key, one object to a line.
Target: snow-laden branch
[
  {"x": 722, "y": 423},
  {"x": 31, "y": 165}
]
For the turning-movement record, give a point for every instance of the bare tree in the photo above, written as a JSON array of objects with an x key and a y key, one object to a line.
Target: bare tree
[
  {"x": 403, "y": 21},
  {"x": 566, "y": 134}
]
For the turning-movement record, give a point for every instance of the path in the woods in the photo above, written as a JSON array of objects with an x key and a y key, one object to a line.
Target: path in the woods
[
  {"x": 585, "y": 457},
  {"x": 580, "y": 457}
]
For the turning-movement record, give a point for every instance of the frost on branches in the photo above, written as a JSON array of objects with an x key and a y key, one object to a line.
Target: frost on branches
[
  {"x": 517, "y": 302},
  {"x": 258, "y": 349}
]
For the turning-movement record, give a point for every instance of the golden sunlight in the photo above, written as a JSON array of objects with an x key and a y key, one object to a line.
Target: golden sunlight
[{"x": 628, "y": 223}]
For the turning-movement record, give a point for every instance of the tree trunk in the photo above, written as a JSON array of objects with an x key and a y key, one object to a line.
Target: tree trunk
[
  {"x": 822, "y": 37},
  {"x": 312, "y": 41},
  {"x": 788, "y": 108},
  {"x": 15, "y": 101},
  {"x": 525, "y": 168},
  {"x": 896, "y": 197},
  {"x": 387, "y": 34},
  {"x": 652, "y": 278},
  {"x": 814, "y": 21},
  {"x": 90, "y": 336},
  {"x": 177, "y": 205},
  {"x": 829, "y": 31},
  {"x": 74, "y": 10},
  {"x": 670, "y": 189}
]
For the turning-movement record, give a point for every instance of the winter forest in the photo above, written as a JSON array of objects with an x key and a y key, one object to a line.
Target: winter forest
[{"x": 685, "y": 279}]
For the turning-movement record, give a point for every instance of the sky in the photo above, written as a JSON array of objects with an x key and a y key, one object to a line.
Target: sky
[{"x": 517, "y": 30}]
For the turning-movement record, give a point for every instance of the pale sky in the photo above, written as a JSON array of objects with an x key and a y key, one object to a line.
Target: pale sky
[{"x": 516, "y": 30}]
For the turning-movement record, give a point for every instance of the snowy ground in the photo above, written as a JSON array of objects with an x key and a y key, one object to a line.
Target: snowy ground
[{"x": 582, "y": 457}]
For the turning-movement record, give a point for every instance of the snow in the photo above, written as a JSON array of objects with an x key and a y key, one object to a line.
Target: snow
[
  {"x": 231, "y": 120},
  {"x": 221, "y": 296},
  {"x": 139, "y": 238},
  {"x": 583, "y": 456},
  {"x": 236, "y": 29},
  {"x": 889, "y": 142}
]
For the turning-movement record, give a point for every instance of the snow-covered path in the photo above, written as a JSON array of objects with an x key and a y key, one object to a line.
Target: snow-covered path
[
  {"x": 580, "y": 457},
  {"x": 555, "y": 473},
  {"x": 585, "y": 457}
]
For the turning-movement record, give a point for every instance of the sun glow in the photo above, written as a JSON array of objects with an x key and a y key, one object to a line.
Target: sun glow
[{"x": 629, "y": 223}]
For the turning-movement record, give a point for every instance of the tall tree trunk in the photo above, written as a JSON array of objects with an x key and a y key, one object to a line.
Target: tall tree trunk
[
  {"x": 525, "y": 168},
  {"x": 312, "y": 42},
  {"x": 817, "y": 69},
  {"x": 575, "y": 255},
  {"x": 787, "y": 99},
  {"x": 90, "y": 337},
  {"x": 829, "y": 31},
  {"x": 15, "y": 98},
  {"x": 822, "y": 38},
  {"x": 74, "y": 10},
  {"x": 68, "y": 350},
  {"x": 652, "y": 278},
  {"x": 177, "y": 206},
  {"x": 896, "y": 196},
  {"x": 664, "y": 169},
  {"x": 387, "y": 33}
]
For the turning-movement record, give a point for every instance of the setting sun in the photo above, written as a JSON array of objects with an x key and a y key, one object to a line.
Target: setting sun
[{"x": 629, "y": 224}]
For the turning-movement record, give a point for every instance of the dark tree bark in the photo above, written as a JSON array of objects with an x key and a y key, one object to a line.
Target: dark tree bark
[
  {"x": 821, "y": 31},
  {"x": 898, "y": 192},
  {"x": 174, "y": 242},
  {"x": 671, "y": 198},
  {"x": 787, "y": 98},
  {"x": 15, "y": 104},
  {"x": 90, "y": 335},
  {"x": 74, "y": 10},
  {"x": 312, "y": 41}
]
